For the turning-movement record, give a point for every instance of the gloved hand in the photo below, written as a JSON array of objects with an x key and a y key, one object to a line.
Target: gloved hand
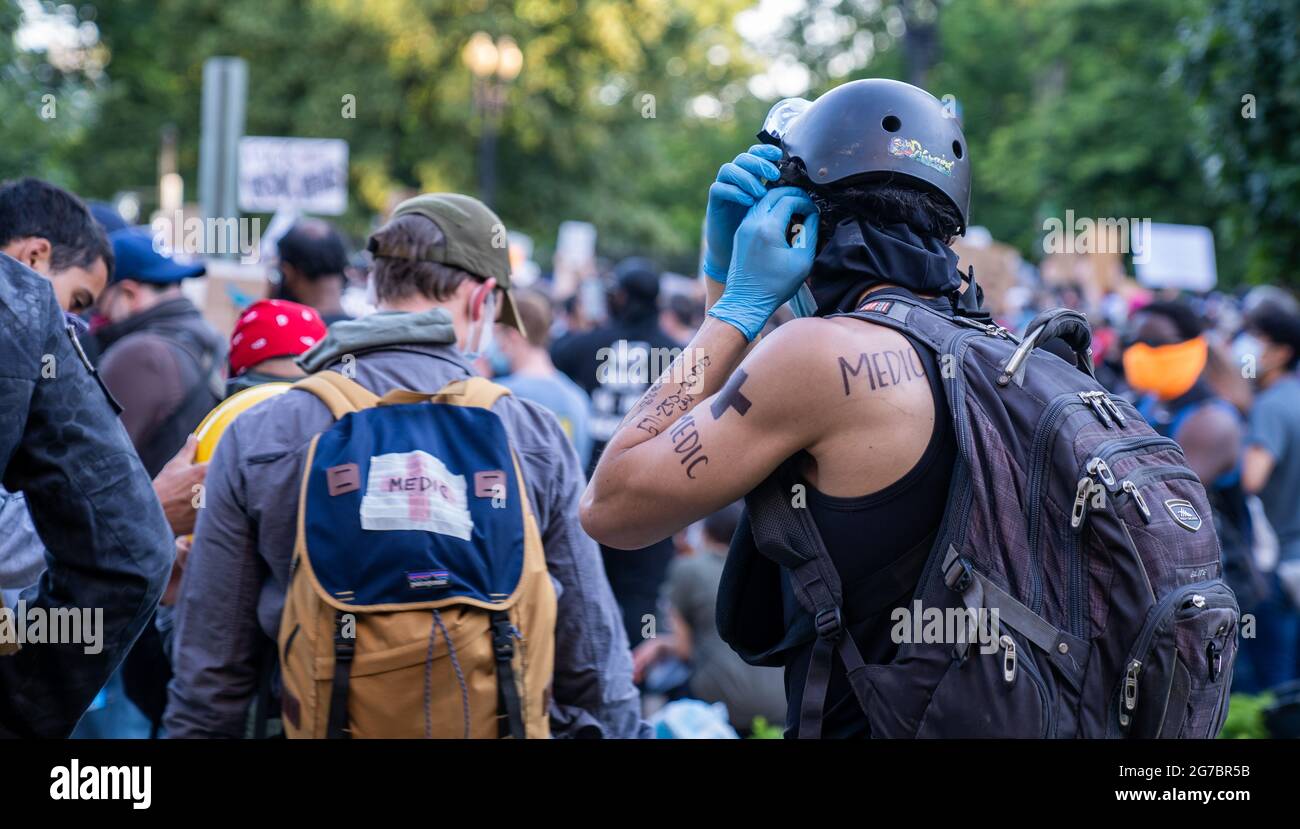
[
  {"x": 766, "y": 269},
  {"x": 738, "y": 186}
]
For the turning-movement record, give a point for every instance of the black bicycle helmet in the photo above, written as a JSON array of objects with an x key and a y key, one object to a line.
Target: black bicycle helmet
[{"x": 875, "y": 128}]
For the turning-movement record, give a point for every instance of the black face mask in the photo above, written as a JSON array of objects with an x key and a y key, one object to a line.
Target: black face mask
[{"x": 858, "y": 256}]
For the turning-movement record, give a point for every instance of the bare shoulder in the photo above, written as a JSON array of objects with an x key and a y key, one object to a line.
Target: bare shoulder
[
  {"x": 803, "y": 341},
  {"x": 816, "y": 365}
]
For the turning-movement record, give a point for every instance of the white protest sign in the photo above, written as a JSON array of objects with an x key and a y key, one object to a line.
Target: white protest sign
[
  {"x": 306, "y": 174},
  {"x": 1175, "y": 256}
]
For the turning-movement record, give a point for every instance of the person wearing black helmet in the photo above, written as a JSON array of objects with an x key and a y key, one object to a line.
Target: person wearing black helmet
[{"x": 851, "y": 199}]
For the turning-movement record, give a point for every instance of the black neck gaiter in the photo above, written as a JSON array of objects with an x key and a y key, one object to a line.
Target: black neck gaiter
[{"x": 859, "y": 256}]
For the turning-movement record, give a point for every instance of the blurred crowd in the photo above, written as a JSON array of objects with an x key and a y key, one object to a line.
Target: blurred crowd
[{"x": 1214, "y": 372}]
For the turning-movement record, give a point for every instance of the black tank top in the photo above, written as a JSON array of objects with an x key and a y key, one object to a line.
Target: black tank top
[{"x": 864, "y": 536}]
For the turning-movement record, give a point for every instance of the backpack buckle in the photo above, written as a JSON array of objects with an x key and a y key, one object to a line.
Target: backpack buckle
[
  {"x": 829, "y": 623},
  {"x": 344, "y": 646},
  {"x": 960, "y": 581},
  {"x": 503, "y": 643}
]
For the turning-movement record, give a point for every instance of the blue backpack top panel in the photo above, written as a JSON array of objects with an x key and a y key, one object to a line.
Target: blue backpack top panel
[{"x": 415, "y": 503}]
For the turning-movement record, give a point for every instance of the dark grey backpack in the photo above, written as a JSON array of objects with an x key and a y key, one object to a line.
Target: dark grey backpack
[{"x": 1071, "y": 517}]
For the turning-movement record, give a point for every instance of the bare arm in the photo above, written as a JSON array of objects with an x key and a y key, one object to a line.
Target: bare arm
[
  {"x": 704, "y": 435},
  {"x": 1256, "y": 468}
]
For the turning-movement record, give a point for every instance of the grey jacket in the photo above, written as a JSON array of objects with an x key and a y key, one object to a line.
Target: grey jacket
[
  {"x": 108, "y": 547},
  {"x": 235, "y": 579}
]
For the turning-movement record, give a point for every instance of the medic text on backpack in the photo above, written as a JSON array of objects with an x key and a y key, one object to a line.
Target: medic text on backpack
[{"x": 419, "y": 603}]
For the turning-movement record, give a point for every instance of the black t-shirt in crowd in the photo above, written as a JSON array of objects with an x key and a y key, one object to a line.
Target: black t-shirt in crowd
[{"x": 615, "y": 365}]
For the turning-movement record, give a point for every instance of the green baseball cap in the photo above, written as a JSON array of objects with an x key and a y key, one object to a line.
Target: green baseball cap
[{"x": 474, "y": 240}]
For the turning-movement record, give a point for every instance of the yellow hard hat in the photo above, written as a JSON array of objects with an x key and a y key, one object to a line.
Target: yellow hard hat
[{"x": 214, "y": 425}]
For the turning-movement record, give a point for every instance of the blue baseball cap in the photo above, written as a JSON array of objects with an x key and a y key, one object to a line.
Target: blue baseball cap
[{"x": 136, "y": 259}]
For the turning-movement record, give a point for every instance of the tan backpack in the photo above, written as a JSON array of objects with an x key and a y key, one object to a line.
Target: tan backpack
[{"x": 419, "y": 603}]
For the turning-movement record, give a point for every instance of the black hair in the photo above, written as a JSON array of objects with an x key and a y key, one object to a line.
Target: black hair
[
  {"x": 878, "y": 201},
  {"x": 315, "y": 249},
  {"x": 31, "y": 207},
  {"x": 1281, "y": 328},
  {"x": 1180, "y": 314}
]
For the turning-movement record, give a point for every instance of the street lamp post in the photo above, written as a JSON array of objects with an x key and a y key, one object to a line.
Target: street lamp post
[{"x": 494, "y": 64}]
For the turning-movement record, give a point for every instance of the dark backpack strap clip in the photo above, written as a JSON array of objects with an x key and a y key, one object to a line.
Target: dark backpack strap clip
[
  {"x": 509, "y": 706},
  {"x": 958, "y": 575},
  {"x": 829, "y": 623},
  {"x": 344, "y": 649}
]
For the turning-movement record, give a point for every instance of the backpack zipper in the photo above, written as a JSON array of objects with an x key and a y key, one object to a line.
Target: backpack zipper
[
  {"x": 1093, "y": 400},
  {"x": 1011, "y": 661},
  {"x": 1043, "y": 436},
  {"x": 1130, "y": 485},
  {"x": 1127, "y": 693},
  {"x": 1113, "y": 450},
  {"x": 1008, "y": 658},
  {"x": 962, "y": 427}
]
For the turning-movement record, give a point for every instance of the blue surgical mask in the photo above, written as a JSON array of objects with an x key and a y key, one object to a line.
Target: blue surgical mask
[{"x": 497, "y": 359}]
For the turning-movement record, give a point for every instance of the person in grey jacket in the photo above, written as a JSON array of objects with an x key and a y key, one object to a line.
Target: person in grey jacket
[
  {"x": 440, "y": 269},
  {"x": 108, "y": 546}
]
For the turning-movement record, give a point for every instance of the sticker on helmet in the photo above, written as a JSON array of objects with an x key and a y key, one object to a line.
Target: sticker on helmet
[
  {"x": 415, "y": 491},
  {"x": 1184, "y": 513},
  {"x": 913, "y": 149}
]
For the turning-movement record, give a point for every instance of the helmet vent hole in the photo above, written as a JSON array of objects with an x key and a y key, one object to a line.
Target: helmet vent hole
[
  {"x": 956, "y": 148},
  {"x": 891, "y": 123}
]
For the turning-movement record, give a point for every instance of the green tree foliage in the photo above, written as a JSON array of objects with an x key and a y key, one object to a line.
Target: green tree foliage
[
  {"x": 1246, "y": 717},
  {"x": 1243, "y": 66},
  {"x": 1108, "y": 108},
  {"x": 44, "y": 110},
  {"x": 1088, "y": 121},
  {"x": 598, "y": 125},
  {"x": 1066, "y": 105}
]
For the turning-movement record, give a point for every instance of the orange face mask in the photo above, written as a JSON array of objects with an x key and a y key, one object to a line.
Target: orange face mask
[{"x": 1167, "y": 371}]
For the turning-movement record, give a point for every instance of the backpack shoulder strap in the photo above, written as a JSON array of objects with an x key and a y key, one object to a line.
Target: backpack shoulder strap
[
  {"x": 789, "y": 537},
  {"x": 341, "y": 395},
  {"x": 471, "y": 391},
  {"x": 909, "y": 315}
]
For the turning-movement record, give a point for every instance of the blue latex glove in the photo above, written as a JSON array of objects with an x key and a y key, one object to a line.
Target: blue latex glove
[
  {"x": 766, "y": 270},
  {"x": 739, "y": 185}
]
